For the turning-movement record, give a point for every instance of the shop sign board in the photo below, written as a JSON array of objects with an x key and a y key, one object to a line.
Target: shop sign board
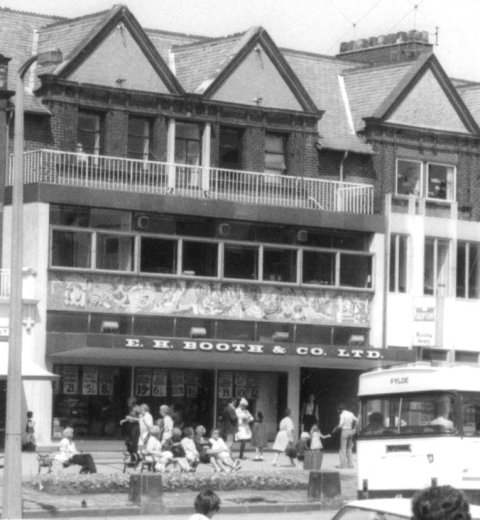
[
  {"x": 424, "y": 322},
  {"x": 242, "y": 348}
]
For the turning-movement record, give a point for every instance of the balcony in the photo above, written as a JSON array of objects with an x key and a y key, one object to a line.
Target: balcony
[{"x": 199, "y": 182}]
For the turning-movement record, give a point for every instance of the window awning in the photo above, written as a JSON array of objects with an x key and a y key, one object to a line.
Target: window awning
[{"x": 30, "y": 370}]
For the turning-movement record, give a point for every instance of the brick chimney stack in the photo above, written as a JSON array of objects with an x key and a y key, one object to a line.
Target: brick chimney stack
[{"x": 392, "y": 48}]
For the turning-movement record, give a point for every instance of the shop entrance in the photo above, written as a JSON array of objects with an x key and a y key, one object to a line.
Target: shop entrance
[{"x": 330, "y": 387}]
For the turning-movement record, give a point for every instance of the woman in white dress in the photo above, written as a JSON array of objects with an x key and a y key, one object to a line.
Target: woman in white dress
[
  {"x": 244, "y": 432},
  {"x": 145, "y": 422},
  {"x": 284, "y": 436}
]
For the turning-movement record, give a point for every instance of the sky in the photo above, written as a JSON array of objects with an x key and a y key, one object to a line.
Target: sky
[{"x": 309, "y": 25}]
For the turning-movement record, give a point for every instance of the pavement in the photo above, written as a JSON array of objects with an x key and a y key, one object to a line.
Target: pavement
[{"x": 109, "y": 459}]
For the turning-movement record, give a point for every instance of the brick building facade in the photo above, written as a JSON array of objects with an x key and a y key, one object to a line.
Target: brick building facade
[{"x": 217, "y": 217}]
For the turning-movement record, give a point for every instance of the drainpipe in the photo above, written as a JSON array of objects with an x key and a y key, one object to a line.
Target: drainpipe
[{"x": 342, "y": 162}]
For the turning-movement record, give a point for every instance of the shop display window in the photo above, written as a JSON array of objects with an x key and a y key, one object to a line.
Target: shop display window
[
  {"x": 71, "y": 249},
  {"x": 115, "y": 252},
  {"x": 90, "y": 399},
  {"x": 158, "y": 255}
]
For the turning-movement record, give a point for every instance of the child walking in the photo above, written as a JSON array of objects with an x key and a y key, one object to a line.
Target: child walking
[
  {"x": 316, "y": 437},
  {"x": 259, "y": 436}
]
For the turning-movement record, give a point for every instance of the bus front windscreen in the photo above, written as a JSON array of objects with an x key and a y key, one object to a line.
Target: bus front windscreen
[{"x": 425, "y": 413}]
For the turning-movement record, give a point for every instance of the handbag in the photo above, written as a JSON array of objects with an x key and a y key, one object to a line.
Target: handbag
[{"x": 290, "y": 450}]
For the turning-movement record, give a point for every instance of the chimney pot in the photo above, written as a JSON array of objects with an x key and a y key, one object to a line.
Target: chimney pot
[
  {"x": 401, "y": 37},
  {"x": 390, "y": 38},
  {"x": 381, "y": 39},
  {"x": 423, "y": 36}
]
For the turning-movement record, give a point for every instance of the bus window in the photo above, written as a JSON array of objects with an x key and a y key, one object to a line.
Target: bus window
[
  {"x": 471, "y": 414},
  {"x": 409, "y": 414}
]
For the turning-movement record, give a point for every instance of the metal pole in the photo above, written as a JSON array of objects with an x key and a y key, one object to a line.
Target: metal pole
[{"x": 12, "y": 482}]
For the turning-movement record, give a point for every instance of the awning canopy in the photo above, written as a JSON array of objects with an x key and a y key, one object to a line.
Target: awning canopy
[{"x": 30, "y": 370}]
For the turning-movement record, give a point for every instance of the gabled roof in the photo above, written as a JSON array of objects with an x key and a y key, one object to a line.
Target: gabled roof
[
  {"x": 204, "y": 67},
  {"x": 369, "y": 87},
  {"x": 78, "y": 38},
  {"x": 164, "y": 41},
  {"x": 375, "y": 92},
  {"x": 320, "y": 76},
  {"x": 18, "y": 37},
  {"x": 471, "y": 97}
]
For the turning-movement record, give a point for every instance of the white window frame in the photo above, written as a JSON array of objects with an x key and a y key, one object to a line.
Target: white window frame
[
  {"x": 422, "y": 168},
  {"x": 427, "y": 177},
  {"x": 424, "y": 179}
]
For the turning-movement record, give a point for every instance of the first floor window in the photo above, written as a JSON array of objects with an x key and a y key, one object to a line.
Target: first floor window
[
  {"x": 398, "y": 263},
  {"x": 409, "y": 177},
  {"x": 89, "y": 134},
  {"x": 71, "y": 248},
  {"x": 139, "y": 138},
  {"x": 440, "y": 182},
  {"x": 355, "y": 271},
  {"x": 280, "y": 265},
  {"x": 468, "y": 270},
  {"x": 274, "y": 153},
  {"x": 319, "y": 267},
  {"x": 115, "y": 252},
  {"x": 187, "y": 143},
  {"x": 240, "y": 262},
  {"x": 158, "y": 255},
  {"x": 430, "y": 180},
  {"x": 199, "y": 258},
  {"x": 230, "y": 148},
  {"x": 436, "y": 258}
]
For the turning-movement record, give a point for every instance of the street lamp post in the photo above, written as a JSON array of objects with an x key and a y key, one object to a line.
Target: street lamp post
[{"x": 12, "y": 482}]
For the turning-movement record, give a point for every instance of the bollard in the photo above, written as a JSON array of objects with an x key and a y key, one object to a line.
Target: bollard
[
  {"x": 325, "y": 486},
  {"x": 313, "y": 459},
  {"x": 146, "y": 490}
]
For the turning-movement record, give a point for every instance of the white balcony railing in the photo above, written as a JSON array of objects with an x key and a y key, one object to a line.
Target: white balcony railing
[{"x": 120, "y": 174}]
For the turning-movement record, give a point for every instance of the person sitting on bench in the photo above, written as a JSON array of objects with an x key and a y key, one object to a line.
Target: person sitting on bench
[{"x": 70, "y": 455}]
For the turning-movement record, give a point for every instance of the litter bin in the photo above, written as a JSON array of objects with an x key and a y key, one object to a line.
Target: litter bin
[{"x": 313, "y": 459}]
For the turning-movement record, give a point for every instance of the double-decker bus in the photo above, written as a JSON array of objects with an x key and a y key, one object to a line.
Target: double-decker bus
[{"x": 419, "y": 426}]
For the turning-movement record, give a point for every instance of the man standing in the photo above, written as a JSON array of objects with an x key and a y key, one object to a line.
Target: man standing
[
  {"x": 346, "y": 425},
  {"x": 229, "y": 423}
]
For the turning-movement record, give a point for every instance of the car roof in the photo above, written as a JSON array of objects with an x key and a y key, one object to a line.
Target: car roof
[{"x": 397, "y": 506}]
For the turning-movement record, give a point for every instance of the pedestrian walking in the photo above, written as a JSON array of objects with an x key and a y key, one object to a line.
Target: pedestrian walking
[
  {"x": 346, "y": 426},
  {"x": 285, "y": 438},
  {"x": 259, "y": 436},
  {"x": 229, "y": 422},
  {"x": 309, "y": 415},
  {"x": 244, "y": 432},
  {"x": 30, "y": 442},
  {"x": 131, "y": 424}
]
